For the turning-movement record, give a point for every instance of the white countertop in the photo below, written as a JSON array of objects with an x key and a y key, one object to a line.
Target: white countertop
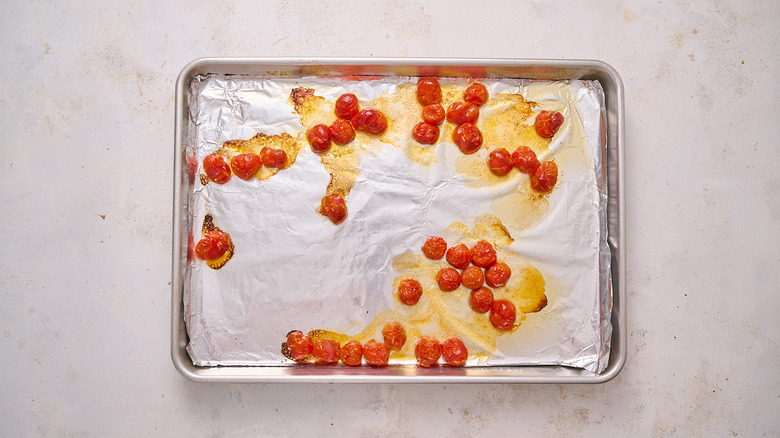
[{"x": 86, "y": 123}]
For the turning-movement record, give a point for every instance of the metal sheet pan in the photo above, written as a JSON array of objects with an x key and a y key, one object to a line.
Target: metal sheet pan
[{"x": 501, "y": 68}]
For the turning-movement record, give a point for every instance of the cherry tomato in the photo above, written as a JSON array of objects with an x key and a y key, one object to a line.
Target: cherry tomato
[
  {"x": 275, "y": 158},
  {"x": 547, "y": 123},
  {"x": 428, "y": 91},
  {"x": 245, "y": 165},
  {"x": 454, "y": 352},
  {"x": 483, "y": 254},
  {"x": 462, "y": 112},
  {"x": 346, "y": 106},
  {"x": 427, "y": 351},
  {"x": 472, "y": 277},
  {"x": 545, "y": 177},
  {"x": 351, "y": 353},
  {"x": 467, "y": 137},
  {"x": 476, "y": 93},
  {"x": 448, "y": 279},
  {"x": 459, "y": 256},
  {"x": 395, "y": 335},
  {"x": 497, "y": 274},
  {"x": 525, "y": 160},
  {"x": 265, "y": 156},
  {"x": 376, "y": 353},
  {"x": 325, "y": 351},
  {"x": 433, "y": 113},
  {"x": 503, "y": 314},
  {"x": 481, "y": 300},
  {"x": 341, "y": 132},
  {"x": 216, "y": 168},
  {"x": 500, "y": 161},
  {"x": 300, "y": 345},
  {"x": 212, "y": 245},
  {"x": 319, "y": 138},
  {"x": 334, "y": 207},
  {"x": 371, "y": 121},
  {"x": 409, "y": 291},
  {"x": 434, "y": 247},
  {"x": 425, "y": 133}
]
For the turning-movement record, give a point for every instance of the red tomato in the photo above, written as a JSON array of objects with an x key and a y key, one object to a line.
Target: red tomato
[
  {"x": 395, "y": 335},
  {"x": 319, "y": 138},
  {"x": 346, "y": 106},
  {"x": 216, "y": 168},
  {"x": 481, "y": 300},
  {"x": 300, "y": 345},
  {"x": 428, "y": 91},
  {"x": 376, "y": 353},
  {"x": 503, "y": 314},
  {"x": 545, "y": 177},
  {"x": 427, "y": 351},
  {"x": 497, "y": 274},
  {"x": 341, "y": 132},
  {"x": 245, "y": 165},
  {"x": 525, "y": 160},
  {"x": 476, "y": 93},
  {"x": 547, "y": 123},
  {"x": 462, "y": 112},
  {"x": 483, "y": 254},
  {"x": 351, "y": 353},
  {"x": 467, "y": 137},
  {"x": 325, "y": 351},
  {"x": 370, "y": 121},
  {"x": 459, "y": 256},
  {"x": 454, "y": 352},
  {"x": 275, "y": 158},
  {"x": 433, "y": 113},
  {"x": 500, "y": 161},
  {"x": 265, "y": 156},
  {"x": 434, "y": 247},
  {"x": 409, "y": 291},
  {"x": 472, "y": 277},
  {"x": 212, "y": 245},
  {"x": 448, "y": 279},
  {"x": 425, "y": 133},
  {"x": 334, "y": 207}
]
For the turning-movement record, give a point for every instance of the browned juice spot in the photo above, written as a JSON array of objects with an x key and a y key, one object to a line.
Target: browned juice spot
[
  {"x": 289, "y": 144},
  {"x": 521, "y": 207},
  {"x": 208, "y": 225},
  {"x": 504, "y": 123}
]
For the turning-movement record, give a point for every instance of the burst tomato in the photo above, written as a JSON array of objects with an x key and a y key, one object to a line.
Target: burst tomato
[
  {"x": 245, "y": 165},
  {"x": 427, "y": 351},
  {"x": 476, "y": 93},
  {"x": 409, "y": 291},
  {"x": 334, "y": 207},
  {"x": 483, "y": 254},
  {"x": 497, "y": 274},
  {"x": 370, "y": 120},
  {"x": 216, "y": 168},
  {"x": 472, "y": 277},
  {"x": 467, "y": 137},
  {"x": 212, "y": 245},
  {"x": 425, "y": 133},
  {"x": 525, "y": 160},
  {"x": 376, "y": 353},
  {"x": 459, "y": 256},
  {"x": 454, "y": 352},
  {"x": 300, "y": 345},
  {"x": 448, "y": 279},
  {"x": 481, "y": 300},
  {"x": 548, "y": 122},
  {"x": 319, "y": 138},
  {"x": 428, "y": 91},
  {"x": 351, "y": 353},
  {"x": 346, "y": 106},
  {"x": 544, "y": 178},
  {"x": 503, "y": 315},
  {"x": 500, "y": 161},
  {"x": 433, "y": 113},
  {"x": 394, "y": 335},
  {"x": 434, "y": 247},
  {"x": 325, "y": 351},
  {"x": 462, "y": 112},
  {"x": 341, "y": 132}
]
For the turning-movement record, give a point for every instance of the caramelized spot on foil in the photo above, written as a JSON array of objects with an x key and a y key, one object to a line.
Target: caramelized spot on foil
[
  {"x": 298, "y": 96},
  {"x": 204, "y": 179},
  {"x": 289, "y": 144},
  {"x": 208, "y": 225},
  {"x": 327, "y": 334},
  {"x": 286, "y": 351}
]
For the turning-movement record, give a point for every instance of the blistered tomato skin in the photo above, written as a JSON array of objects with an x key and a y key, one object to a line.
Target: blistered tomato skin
[
  {"x": 525, "y": 160},
  {"x": 347, "y": 106},
  {"x": 341, "y": 132},
  {"x": 351, "y": 353},
  {"x": 325, "y": 351},
  {"x": 448, "y": 279},
  {"x": 503, "y": 315},
  {"x": 428, "y": 91},
  {"x": 544, "y": 178},
  {"x": 425, "y": 133},
  {"x": 472, "y": 277},
  {"x": 300, "y": 345},
  {"x": 467, "y": 137},
  {"x": 216, "y": 168},
  {"x": 459, "y": 256},
  {"x": 394, "y": 335},
  {"x": 454, "y": 352},
  {"x": 277, "y": 158},
  {"x": 547, "y": 123},
  {"x": 319, "y": 138},
  {"x": 481, "y": 300},
  {"x": 500, "y": 161},
  {"x": 371, "y": 121},
  {"x": 476, "y": 93},
  {"x": 212, "y": 245},
  {"x": 483, "y": 254},
  {"x": 376, "y": 353},
  {"x": 434, "y": 247},
  {"x": 497, "y": 274},
  {"x": 427, "y": 351},
  {"x": 334, "y": 208},
  {"x": 409, "y": 291},
  {"x": 433, "y": 113},
  {"x": 246, "y": 165},
  {"x": 462, "y": 112}
]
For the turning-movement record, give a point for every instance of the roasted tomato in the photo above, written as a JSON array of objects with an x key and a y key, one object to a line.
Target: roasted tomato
[
  {"x": 425, "y": 133},
  {"x": 459, "y": 256},
  {"x": 395, "y": 335},
  {"x": 503, "y": 314},
  {"x": 462, "y": 112},
  {"x": 245, "y": 165},
  {"x": 351, "y": 353},
  {"x": 376, "y": 353},
  {"x": 273, "y": 157},
  {"x": 334, "y": 208},
  {"x": 212, "y": 245},
  {"x": 500, "y": 161},
  {"x": 428, "y": 91},
  {"x": 300, "y": 345},
  {"x": 497, "y": 274},
  {"x": 454, "y": 352},
  {"x": 325, "y": 351},
  {"x": 476, "y": 93},
  {"x": 481, "y": 300},
  {"x": 472, "y": 277},
  {"x": 545, "y": 177},
  {"x": 427, "y": 351},
  {"x": 547, "y": 123},
  {"x": 370, "y": 120},
  {"x": 483, "y": 254},
  {"x": 346, "y": 106},
  {"x": 434, "y": 247},
  {"x": 448, "y": 279},
  {"x": 433, "y": 113},
  {"x": 467, "y": 137},
  {"x": 341, "y": 132},
  {"x": 525, "y": 160},
  {"x": 319, "y": 138},
  {"x": 216, "y": 168},
  {"x": 409, "y": 291}
]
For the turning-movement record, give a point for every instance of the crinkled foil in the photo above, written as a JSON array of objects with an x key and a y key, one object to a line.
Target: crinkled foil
[{"x": 294, "y": 269}]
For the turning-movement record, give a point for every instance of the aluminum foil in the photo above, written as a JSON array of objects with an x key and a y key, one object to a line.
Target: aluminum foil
[{"x": 294, "y": 269}]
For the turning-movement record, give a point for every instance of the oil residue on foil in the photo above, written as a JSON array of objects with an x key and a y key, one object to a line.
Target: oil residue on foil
[{"x": 289, "y": 144}]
